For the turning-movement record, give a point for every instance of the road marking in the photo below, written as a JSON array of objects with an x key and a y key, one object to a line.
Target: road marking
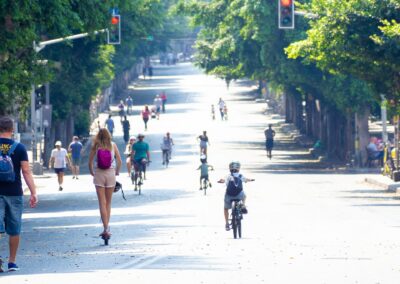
[{"x": 141, "y": 262}]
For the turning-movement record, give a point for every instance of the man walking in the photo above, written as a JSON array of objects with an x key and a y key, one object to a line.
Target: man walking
[
  {"x": 59, "y": 160},
  {"x": 110, "y": 124},
  {"x": 129, "y": 105},
  {"x": 11, "y": 193},
  {"x": 269, "y": 140},
  {"x": 75, "y": 148}
]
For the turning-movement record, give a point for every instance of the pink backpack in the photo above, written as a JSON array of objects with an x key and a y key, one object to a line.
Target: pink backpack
[{"x": 104, "y": 159}]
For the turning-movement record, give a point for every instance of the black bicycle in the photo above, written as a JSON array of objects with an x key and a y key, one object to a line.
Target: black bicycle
[
  {"x": 166, "y": 155},
  {"x": 205, "y": 183},
  {"x": 236, "y": 218},
  {"x": 140, "y": 175}
]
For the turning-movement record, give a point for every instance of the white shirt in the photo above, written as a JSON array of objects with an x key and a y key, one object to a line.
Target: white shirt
[{"x": 59, "y": 158}]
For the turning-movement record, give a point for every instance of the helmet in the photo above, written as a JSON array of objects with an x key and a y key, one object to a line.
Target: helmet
[
  {"x": 203, "y": 158},
  {"x": 132, "y": 138},
  {"x": 117, "y": 187},
  {"x": 235, "y": 165}
]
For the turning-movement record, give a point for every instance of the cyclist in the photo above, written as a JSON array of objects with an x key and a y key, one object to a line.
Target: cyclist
[
  {"x": 204, "y": 142},
  {"x": 166, "y": 147},
  {"x": 140, "y": 152},
  {"x": 269, "y": 140},
  {"x": 234, "y": 190},
  {"x": 127, "y": 153},
  {"x": 204, "y": 171}
]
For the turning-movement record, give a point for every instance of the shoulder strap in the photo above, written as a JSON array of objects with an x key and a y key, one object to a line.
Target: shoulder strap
[{"x": 12, "y": 149}]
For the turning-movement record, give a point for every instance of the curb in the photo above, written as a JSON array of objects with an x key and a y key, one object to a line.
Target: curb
[{"x": 384, "y": 182}]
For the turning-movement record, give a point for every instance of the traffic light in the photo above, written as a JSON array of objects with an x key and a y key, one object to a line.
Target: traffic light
[
  {"x": 286, "y": 14},
  {"x": 114, "y": 32},
  {"x": 40, "y": 93}
]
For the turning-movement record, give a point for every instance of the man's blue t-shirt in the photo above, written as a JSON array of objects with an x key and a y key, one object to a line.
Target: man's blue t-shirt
[
  {"x": 140, "y": 149},
  {"x": 20, "y": 154},
  {"x": 110, "y": 124},
  {"x": 76, "y": 148}
]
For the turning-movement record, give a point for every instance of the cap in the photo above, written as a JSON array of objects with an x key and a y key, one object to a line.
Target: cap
[{"x": 58, "y": 143}]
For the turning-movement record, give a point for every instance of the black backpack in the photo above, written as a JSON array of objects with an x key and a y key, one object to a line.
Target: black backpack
[{"x": 235, "y": 186}]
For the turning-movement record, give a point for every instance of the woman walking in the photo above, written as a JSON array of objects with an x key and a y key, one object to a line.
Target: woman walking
[
  {"x": 108, "y": 164},
  {"x": 145, "y": 116}
]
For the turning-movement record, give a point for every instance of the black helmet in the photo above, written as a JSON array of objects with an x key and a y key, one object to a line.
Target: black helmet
[{"x": 117, "y": 187}]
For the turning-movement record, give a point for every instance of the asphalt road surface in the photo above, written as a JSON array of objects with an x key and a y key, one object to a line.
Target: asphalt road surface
[{"x": 306, "y": 224}]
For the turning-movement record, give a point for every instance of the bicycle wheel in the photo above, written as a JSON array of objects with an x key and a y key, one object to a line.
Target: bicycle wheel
[
  {"x": 234, "y": 224},
  {"x": 133, "y": 176},
  {"x": 239, "y": 227},
  {"x": 140, "y": 182}
]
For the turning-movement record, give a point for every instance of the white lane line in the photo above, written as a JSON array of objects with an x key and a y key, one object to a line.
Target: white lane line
[{"x": 141, "y": 262}]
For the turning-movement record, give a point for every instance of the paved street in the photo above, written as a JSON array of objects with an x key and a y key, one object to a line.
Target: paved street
[{"x": 306, "y": 223}]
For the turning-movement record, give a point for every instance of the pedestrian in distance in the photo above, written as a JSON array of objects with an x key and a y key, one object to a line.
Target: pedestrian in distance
[
  {"x": 110, "y": 124},
  {"x": 204, "y": 167},
  {"x": 121, "y": 110},
  {"x": 126, "y": 127},
  {"x": 14, "y": 160},
  {"x": 144, "y": 71},
  {"x": 221, "y": 105},
  {"x": 234, "y": 190},
  {"x": 225, "y": 112},
  {"x": 204, "y": 143},
  {"x": 145, "y": 115},
  {"x": 59, "y": 161},
  {"x": 157, "y": 105},
  {"x": 212, "y": 112},
  {"x": 129, "y": 105},
  {"x": 75, "y": 149},
  {"x": 150, "y": 72},
  {"x": 163, "y": 97},
  {"x": 104, "y": 171},
  {"x": 269, "y": 140}
]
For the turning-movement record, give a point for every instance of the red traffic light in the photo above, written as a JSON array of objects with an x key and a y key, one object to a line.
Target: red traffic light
[
  {"x": 286, "y": 3},
  {"x": 114, "y": 20}
]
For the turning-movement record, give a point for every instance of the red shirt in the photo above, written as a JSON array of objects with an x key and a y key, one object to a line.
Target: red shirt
[{"x": 145, "y": 114}]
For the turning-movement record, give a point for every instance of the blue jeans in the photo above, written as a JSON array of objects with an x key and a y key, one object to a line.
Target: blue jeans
[{"x": 11, "y": 208}]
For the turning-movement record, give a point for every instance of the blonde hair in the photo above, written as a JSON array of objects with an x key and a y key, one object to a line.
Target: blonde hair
[{"x": 102, "y": 140}]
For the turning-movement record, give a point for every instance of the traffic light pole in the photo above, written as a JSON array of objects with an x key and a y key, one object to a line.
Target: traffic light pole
[{"x": 38, "y": 47}]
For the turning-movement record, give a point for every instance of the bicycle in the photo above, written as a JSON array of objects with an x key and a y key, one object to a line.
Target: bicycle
[
  {"x": 205, "y": 184},
  {"x": 166, "y": 154},
  {"x": 236, "y": 218},
  {"x": 140, "y": 175},
  {"x": 388, "y": 162}
]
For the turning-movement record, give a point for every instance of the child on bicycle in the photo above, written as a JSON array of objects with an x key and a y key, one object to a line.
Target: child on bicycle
[
  {"x": 234, "y": 190},
  {"x": 204, "y": 171}
]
